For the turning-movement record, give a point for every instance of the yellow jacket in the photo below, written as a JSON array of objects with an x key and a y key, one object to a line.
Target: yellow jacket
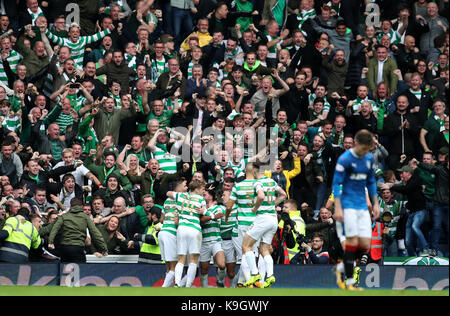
[
  {"x": 203, "y": 40},
  {"x": 289, "y": 174}
]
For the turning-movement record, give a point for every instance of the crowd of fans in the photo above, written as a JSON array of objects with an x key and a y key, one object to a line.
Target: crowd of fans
[{"x": 97, "y": 115}]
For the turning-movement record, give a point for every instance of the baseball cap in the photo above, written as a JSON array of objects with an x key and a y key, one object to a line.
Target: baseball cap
[
  {"x": 406, "y": 169},
  {"x": 443, "y": 150},
  {"x": 74, "y": 24},
  {"x": 109, "y": 151},
  {"x": 166, "y": 38}
]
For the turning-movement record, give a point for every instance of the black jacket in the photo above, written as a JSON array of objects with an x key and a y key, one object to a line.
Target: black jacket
[
  {"x": 44, "y": 177},
  {"x": 109, "y": 197},
  {"x": 358, "y": 122},
  {"x": 121, "y": 73},
  {"x": 411, "y": 134},
  {"x": 413, "y": 192},
  {"x": 441, "y": 172},
  {"x": 130, "y": 225},
  {"x": 306, "y": 56},
  {"x": 425, "y": 103},
  {"x": 357, "y": 62},
  {"x": 296, "y": 103}
]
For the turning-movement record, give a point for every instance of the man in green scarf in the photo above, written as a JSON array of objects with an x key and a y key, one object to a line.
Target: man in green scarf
[{"x": 107, "y": 168}]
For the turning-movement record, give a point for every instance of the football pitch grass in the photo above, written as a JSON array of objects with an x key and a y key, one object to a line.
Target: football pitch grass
[{"x": 185, "y": 292}]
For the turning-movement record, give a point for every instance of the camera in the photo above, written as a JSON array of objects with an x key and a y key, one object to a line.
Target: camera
[
  {"x": 287, "y": 221},
  {"x": 386, "y": 217},
  {"x": 301, "y": 238}
]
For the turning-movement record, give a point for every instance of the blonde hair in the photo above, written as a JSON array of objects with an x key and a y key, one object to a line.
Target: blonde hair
[{"x": 127, "y": 164}]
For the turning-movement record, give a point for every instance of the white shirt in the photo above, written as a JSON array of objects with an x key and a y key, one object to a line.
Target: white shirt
[
  {"x": 79, "y": 173},
  {"x": 380, "y": 71},
  {"x": 67, "y": 198},
  {"x": 198, "y": 127}
]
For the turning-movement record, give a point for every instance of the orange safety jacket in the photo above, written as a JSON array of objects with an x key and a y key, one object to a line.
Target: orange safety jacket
[{"x": 376, "y": 245}]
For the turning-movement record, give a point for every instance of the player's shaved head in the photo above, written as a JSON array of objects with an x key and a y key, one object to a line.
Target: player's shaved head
[{"x": 249, "y": 168}]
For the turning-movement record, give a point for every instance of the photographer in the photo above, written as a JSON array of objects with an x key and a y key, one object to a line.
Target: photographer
[
  {"x": 314, "y": 252},
  {"x": 290, "y": 227},
  {"x": 393, "y": 215}
]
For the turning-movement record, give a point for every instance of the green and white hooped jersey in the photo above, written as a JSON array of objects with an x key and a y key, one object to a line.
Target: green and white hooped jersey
[
  {"x": 131, "y": 61},
  {"x": 171, "y": 210},
  {"x": 34, "y": 16},
  {"x": 270, "y": 187},
  {"x": 393, "y": 35},
  {"x": 326, "y": 105},
  {"x": 189, "y": 70},
  {"x": 79, "y": 47},
  {"x": 228, "y": 230},
  {"x": 190, "y": 202},
  {"x": 211, "y": 229},
  {"x": 159, "y": 67},
  {"x": 273, "y": 50},
  {"x": 359, "y": 101},
  {"x": 117, "y": 100},
  {"x": 14, "y": 59},
  {"x": 239, "y": 169},
  {"x": 12, "y": 124},
  {"x": 244, "y": 194},
  {"x": 417, "y": 94},
  {"x": 77, "y": 101},
  {"x": 167, "y": 161},
  {"x": 395, "y": 209}
]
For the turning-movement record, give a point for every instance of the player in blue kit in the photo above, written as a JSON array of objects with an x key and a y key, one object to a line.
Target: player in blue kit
[{"x": 354, "y": 172}]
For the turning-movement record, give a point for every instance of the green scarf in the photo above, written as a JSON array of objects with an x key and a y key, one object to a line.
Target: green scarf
[
  {"x": 35, "y": 178},
  {"x": 107, "y": 173},
  {"x": 304, "y": 16},
  {"x": 162, "y": 146}
]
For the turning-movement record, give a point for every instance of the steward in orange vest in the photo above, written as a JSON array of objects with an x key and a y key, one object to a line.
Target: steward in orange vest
[{"x": 376, "y": 245}]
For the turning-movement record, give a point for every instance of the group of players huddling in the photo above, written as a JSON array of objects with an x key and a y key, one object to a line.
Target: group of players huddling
[{"x": 201, "y": 223}]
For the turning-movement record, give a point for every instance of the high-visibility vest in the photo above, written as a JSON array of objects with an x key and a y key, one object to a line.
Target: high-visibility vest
[
  {"x": 22, "y": 236},
  {"x": 277, "y": 237},
  {"x": 299, "y": 227},
  {"x": 150, "y": 253},
  {"x": 376, "y": 245}
]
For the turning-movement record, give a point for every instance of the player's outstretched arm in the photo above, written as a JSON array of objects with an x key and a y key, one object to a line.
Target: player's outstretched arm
[
  {"x": 281, "y": 196},
  {"x": 228, "y": 210},
  {"x": 375, "y": 207},
  {"x": 372, "y": 190},
  {"x": 259, "y": 199},
  {"x": 171, "y": 195},
  {"x": 338, "y": 213}
]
